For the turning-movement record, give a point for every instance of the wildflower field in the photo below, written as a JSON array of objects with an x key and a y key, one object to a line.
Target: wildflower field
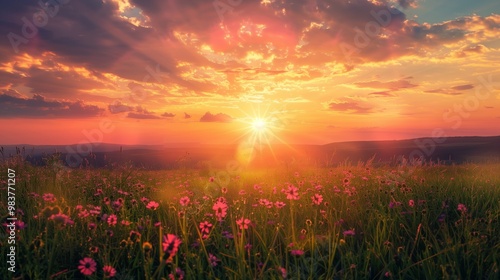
[{"x": 345, "y": 222}]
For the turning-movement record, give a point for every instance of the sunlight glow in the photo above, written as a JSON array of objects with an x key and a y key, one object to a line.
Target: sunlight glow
[{"x": 259, "y": 125}]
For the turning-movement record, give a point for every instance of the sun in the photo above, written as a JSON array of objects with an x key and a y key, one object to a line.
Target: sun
[
  {"x": 259, "y": 125},
  {"x": 260, "y": 132}
]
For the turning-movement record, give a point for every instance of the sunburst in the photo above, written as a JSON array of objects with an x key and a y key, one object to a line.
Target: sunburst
[{"x": 260, "y": 129}]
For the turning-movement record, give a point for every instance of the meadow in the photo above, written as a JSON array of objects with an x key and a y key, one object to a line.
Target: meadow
[{"x": 345, "y": 222}]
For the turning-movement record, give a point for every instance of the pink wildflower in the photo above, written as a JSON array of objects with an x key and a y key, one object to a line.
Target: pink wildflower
[
  {"x": 184, "y": 201},
  {"x": 153, "y": 205},
  {"x": 243, "y": 223},
  {"x": 87, "y": 266},
  {"x": 109, "y": 271}
]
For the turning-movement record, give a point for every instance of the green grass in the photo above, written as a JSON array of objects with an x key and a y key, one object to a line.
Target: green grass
[{"x": 430, "y": 240}]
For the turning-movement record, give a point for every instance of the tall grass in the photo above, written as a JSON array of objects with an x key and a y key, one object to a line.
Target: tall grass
[{"x": 373, "y": 223}]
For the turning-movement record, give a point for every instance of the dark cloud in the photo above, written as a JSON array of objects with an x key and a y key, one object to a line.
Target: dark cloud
[
  {"x": 92, "y": 34},
  {"x": 168, "y": 115},
  {"x": 39, "y": 107},
  {"x": 455, "y": 90},
  {"x": 142, "y": 116},
  {"x": 208, "y": 117},
  {"x": 55, "y": 83},
  {"x": 10, "y": 79},
  {"x": 444, "y": 91},
  {"x": 142, "y": 113},
  {"x": 463, "y": 87},
  {"x": 407, "y": 3},
  {"x": 12, "y": 93},
  {"x": 118, "y": 107}
]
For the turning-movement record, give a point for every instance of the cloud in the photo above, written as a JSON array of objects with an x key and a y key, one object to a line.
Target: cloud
[
  {"x": 349, "y": 106},
  {"x": 208, "y": 117},
  {"x": 58, "y": 83},
  {"x": 39, "y": 107},
  {"x": 455, "y": 90},
  {"x": 443, "y": 91},
  {"x": 187, "y": 48},
  {"x": 407, "y": 3},
  {"x": 118, "y": 107},
  {"x": 142, "y": 116},
  {"x": 471, "y": 50},
  {"x": 392, "y": 85},
  {"x": 463, "y": 87},
  {"x": 187, "y": 116},
  {"x": 142, "y": 113},
  {"x": 382, "y": 94},
  {"x": 12, "y": 93},
  {"x": 168, "y": 115}
]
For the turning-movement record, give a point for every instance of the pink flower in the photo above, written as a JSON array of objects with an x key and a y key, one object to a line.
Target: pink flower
[
  {"x": 112, "y": 219},
  {"x": 292, "y": 192},
  {"x": 87, "y": 266},
  {"x": 243, "y": 223},
  {"x": 179, "y": 274},
  {"x": 184, "y": 201},
  {"x": 220, "y": 209},
  {"x": 205, "y": 228},
  {"x": 153, "y": 205},
  {"x": 49, "y": 197},
  {"x": 213, "y": 260},
  {"x": 282, "y": 270},
  {"x": 349, "y": 232},
  {"x": 317, "y": 199},
  {"x": 461, "y": 207},
  {"x": 170, "y": 246},
  {"x": 296, "y": 253},
  {"x": 117, "y": 205},
  {"x": 83, "y": 214},
  {"x": 61, "y": 219},
  {"x": 411, "y": 203},
  {"x": 279, "y": 204},
  {"x": 109, "y": 271},
  {"x": 248, "y": 247},
  {"x": 266, "y": 203}
]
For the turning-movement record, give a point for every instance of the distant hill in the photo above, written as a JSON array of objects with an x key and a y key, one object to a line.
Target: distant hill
[{"x": 195, "y": 155}]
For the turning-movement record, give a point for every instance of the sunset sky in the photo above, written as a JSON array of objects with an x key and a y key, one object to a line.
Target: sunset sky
[{"x": 313, "y": 71}]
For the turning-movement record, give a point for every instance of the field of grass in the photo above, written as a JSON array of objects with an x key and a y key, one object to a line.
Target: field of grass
[{"x": 346, "y": 222}]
